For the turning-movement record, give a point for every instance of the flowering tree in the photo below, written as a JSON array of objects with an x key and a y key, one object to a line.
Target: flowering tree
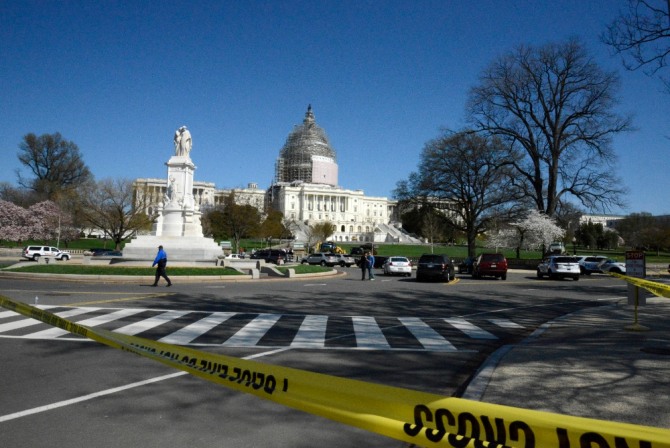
[
  {"x": 42, "y": 221},
  {"x": 532, "y": 232},
  {"x": 13, "y": 222}
]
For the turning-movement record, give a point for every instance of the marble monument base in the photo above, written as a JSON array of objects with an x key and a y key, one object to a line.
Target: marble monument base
[{"x": 178, "y": 248}]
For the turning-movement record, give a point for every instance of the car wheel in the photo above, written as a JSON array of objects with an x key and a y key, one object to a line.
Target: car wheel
[
  {"x": 341, "y": 264},
  {"x": 616, "y": 270},
  {"x": 36, "y": 257},
  {"x": 303, "y": 262},
  {"x": 65, "y": 258},
  {"x": 539, "y": 274},
  {"x": 323, "y": 263},
  {"x": 503, "y": 277},
  {"x": 575, "y": 278}
]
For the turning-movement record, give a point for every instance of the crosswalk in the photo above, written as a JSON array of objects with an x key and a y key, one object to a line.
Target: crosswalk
[{"x": 264, "y": 330}]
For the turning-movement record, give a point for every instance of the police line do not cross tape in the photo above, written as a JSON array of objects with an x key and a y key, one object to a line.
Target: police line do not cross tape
[{"x": 415, "y": 417}]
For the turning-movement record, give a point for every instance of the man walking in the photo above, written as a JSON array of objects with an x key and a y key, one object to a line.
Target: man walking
[{"x": 160, "y": 262}]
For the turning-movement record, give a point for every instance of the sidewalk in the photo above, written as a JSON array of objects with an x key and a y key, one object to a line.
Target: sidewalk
[{"x": 586, "y": 364}]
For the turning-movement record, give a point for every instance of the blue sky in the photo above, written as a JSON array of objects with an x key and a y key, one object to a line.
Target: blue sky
[{"x": 383, "y": 78}]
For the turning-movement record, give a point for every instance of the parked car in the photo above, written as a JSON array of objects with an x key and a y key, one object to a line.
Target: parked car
[
  {"x": 612, "y": 266},
  {"x": 108, "y": 253},
  {"x": 490, "y": 264},
  {"x": 320, "y": 258},
  {"x": 276, "y": 256},
  {"x": 465, "y": 266},
  {"x": 397, "y": 265},
  {"x": 556, "y": 248},
  {"x": 35, "y": 252},
  {"x": 234, "y": 257},
  {"x": 559, "y": 266},
  {"x": 434, "y": 266},
  {"x": 95, "y": 250},
  {"x": 589, "y": 264},
  {"x": 344, "y": 260}
]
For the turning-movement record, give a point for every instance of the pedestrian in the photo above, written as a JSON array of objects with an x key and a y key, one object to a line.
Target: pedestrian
[
  {"x": 371, "y": 265},
  {"x": 363, "y": 263},
  {"x": 161, "y": 262}
]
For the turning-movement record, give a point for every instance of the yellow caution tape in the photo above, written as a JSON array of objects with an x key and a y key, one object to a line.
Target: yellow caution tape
[
  {"x": 419, "y": 418},
  {"x": 658, "y": 289}
]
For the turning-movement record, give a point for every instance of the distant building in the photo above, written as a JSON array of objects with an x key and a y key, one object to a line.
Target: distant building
[
  {"x": 305, "y": 190},
  {"x": 608, "y": 221}
]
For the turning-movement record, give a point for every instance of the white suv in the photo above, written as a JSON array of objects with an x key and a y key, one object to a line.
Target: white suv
[
  {"x": 35, "y": 252},
  {"x": 559, "y": 266},
  {"x": 320, "y": 258}
]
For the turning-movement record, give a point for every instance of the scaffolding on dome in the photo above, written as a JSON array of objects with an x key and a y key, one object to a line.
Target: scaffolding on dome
[{"x": 295, "y": 161}]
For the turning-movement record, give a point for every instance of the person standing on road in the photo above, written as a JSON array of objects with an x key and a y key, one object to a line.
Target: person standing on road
[
  {"x": 363, "y": 263},
  {"x": 161, "y": 262},
  {"x": 371, "y": 266}
]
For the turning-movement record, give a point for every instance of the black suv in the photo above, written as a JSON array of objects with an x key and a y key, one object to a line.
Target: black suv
[
  {"x": 434, "y": 266},
  {"x": 270, "y": 256}
]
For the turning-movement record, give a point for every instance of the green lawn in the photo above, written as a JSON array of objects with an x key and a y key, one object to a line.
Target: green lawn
[
  {"x": 143, "y": 271},
  {"x": 116, "y": 270}
]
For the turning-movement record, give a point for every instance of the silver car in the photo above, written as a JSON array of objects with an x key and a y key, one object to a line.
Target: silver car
[
  {"x": 321, "y": 259},
  {"x": 559, "y": 266},
  {"x": 397, "y": 265},
  {"x": 344, "y": 260}
]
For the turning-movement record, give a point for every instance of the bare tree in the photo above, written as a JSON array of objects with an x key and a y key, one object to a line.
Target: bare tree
[
  {"x": 113, "y": 207},
  {"x": 642, "y": 37},
  {"x": 467, "y": 176},
  {"x": 554, "y": 107},
  {"x": 56, "y": 164}
]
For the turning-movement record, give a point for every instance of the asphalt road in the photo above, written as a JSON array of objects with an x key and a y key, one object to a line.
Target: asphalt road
[{"x": 63, "y": 390}]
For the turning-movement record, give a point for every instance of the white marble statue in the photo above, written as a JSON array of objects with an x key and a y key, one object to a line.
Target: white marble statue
[{"x": 182, "y": 142}]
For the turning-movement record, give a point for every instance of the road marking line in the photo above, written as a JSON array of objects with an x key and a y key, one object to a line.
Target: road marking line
[
  {"x": 196, "y": 329},
  {"x": 312, "y": 332},
  {"x": 102, "y": 393},
  {"x": 469, "y": 329},
  {"x": 427, "y": 337},
  {"x": 253, "y": 331},
  {"x": 368, "y": 334}
]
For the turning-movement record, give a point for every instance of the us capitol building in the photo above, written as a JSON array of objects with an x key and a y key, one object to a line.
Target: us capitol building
[{"x": 305, "y": 190}]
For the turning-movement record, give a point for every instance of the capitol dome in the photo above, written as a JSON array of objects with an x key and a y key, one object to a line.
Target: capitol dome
[{"x": 307, "y": 156}]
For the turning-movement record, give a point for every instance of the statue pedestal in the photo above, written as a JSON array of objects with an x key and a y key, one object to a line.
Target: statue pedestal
[{"x": 178, "y": 248}]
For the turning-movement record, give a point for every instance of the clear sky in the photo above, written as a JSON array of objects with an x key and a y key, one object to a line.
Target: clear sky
[{"x": 383, "y": 77}]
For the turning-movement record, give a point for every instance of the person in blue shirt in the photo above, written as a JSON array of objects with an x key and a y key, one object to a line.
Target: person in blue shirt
[
  {"x": 371, "y": 265},
  {"x": 161, "y": 262}
]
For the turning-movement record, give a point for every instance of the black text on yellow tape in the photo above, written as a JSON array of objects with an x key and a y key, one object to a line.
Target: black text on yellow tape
[
  {"x": 416, "y": 417},
  {"x": 658, "y": 289}
]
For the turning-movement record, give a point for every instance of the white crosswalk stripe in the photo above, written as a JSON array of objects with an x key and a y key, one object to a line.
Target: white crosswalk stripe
[
  {"x": 196, "y": 329},
  {"x": 253, "y": 331},
  {"x": 30, "y": 322},
  {"x": 429, "y": 338},
  {"x": 469, "y": 329},
  {"x": 506, "y": 323},
  {"x": 311, "y": 334},
  {"x": 368, "y": 334},
  {"x": 152, "y": 322}
]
